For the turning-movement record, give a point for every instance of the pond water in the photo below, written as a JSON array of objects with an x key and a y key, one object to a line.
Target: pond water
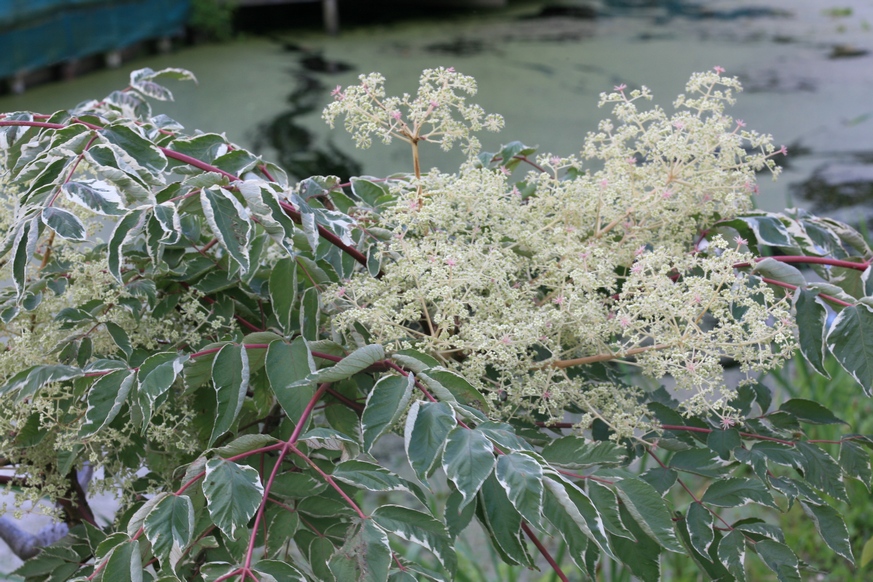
[{"x": 807, "y": 66}]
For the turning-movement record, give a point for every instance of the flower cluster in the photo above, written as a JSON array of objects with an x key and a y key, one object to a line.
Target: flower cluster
[
  {"x": 526, "y": 292},
  {"x": 438, "y": 113}
]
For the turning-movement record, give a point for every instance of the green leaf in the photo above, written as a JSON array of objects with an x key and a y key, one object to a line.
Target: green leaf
[
  {"x": 850, "y": 339},
  {"x": 283, "y": 292},
  {"x": 831, "y": 527},
  {"x": 732, "y": 553},
  {"x": 427, "y": 426},
  {"x": 783, "y": 272},
  {"x": 811, "y": 319},
  {"x": 503, "y": 435},
  {"x": 698, "y": 520},
  {"x": 642, "y": 557},
  {"x": 661, "y": 478},
  {"x": 294, "y": 485},
  {"x": 723, "y": 442},
  {"x": 809, "y": 411},
  {"x": 650, "y": 511},
  {"x": 333, "y": 440},
  {"x": 212, "y": 571},
  {"x": 414, "y": 360},
  {"x": 738, "y": 491},
  {"x": 228, "y": 221},
  {"x": 124, "y": 564},
  {"x": 95, "y": 195},
  {"x": 27, "y": 382},
  {"x": 204, "y": 147},
  {"x": 258, "y": 355},
  {"x": 522, "y": 478},
  {"x": 287, "y": 365},
  {"x": 855, "y": 462},
  {"x": 821, "y": 471},
  {"x": 502, "y": 522},
  {"x": 124, "y": 230},
  {"x": 233, "y": 494},
  {"x": 779, "y": 454},
  {"x": 156, "y": 375},
  {"x": 167, "y": 217},
  {"x": 169, "y": 527},
  {"x": 323, "y": 507},
  {"x": 386, "y": 404},
  {"x": 768, "y": 230},
  {"x": 64, "y": 223},
  {"x": 262, "y": 199},
  {"x": 759, "y": 529},
  {"x": 277, "y": 571},
  {"x": 147, "y": 74},
  {"x": 368, "y": 476},
  {"x": 105, "y": 399},
  {"x": 146, "y": 154},
  {"x": 575, "y": 452},
  {"x": 456, "y": 386},
  {"x": 419, "y": 528},
  {"x": 606, "y": 503},
  {"x": 120, "y": 337},
  {"x": 245, "y": 443},
  {"x": 699, "y": 461},
  {"x": 457, "y": 518},
  {"x": 578, "y": 508},
  {"x": 468, "y": 459},
  {"x": 25, "y": 245},
  {"x": 366, "y": 555},
  {"x": 230, "y": 379},
  {"x": 368, "y": 191},
  {"x": 357, "y": 361},
  {"x": 565, "y": 518},
  {"x": 867, "y": 553},
  {"x": 780, "y": 559},
  {"x": 309, "y": 312}
]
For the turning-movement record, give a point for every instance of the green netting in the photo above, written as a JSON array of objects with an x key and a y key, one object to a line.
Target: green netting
[{"x": 40, "y": 33}]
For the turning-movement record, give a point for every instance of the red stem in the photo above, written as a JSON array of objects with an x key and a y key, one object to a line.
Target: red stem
[
  {"x": 811, "y": 260},
  {"x": 330, "y": 482},
  {"x": 289, "y": 208},
  {"x": 533, "y": 537},
  {"x": 691, "y": 493},
  {"x": 244, "y": 322},
  {"x": 794, "y": 287},
  {"x": 748, "y": 435}
]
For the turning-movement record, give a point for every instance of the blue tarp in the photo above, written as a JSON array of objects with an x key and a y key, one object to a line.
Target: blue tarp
[{"x": 40, "y": 33}]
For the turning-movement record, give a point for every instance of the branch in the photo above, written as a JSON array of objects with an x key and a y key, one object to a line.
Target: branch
[
  {"x": 803, "y": 259},
  {"x": 26, "y": 545},
  {"x": 794, "y": 287},
  {"x": 604, "y": 357},
  {"x": 748, "y": 435},
  {"x": 289, "y": 209},
  {"x": 544, "y": 552}
]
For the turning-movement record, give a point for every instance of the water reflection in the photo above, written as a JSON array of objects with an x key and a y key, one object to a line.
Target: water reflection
[{"x": 299, "y": 151}]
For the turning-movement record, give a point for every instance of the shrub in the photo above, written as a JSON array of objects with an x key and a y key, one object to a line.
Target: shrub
[{"x": 227, "y": 349}]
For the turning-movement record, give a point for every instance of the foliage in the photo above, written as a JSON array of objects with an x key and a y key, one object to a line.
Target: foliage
[
  {"x": 233, "y": 351},
  {"x": 213, "y": 18}
]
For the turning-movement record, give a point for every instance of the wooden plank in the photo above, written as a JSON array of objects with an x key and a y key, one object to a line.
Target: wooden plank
[{"x": 272, "y": 2}]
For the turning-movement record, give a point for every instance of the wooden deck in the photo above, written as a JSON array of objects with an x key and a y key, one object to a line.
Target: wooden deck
[{"x": 330, "y": 10}]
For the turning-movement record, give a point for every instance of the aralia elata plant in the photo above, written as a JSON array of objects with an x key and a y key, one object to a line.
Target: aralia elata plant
[{"x": 231, "y": 351}]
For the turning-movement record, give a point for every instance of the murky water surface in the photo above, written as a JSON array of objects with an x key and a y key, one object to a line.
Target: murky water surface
[{"x": 807, "y": 67}]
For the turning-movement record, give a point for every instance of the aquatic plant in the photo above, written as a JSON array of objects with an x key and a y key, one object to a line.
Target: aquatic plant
[{"x": 232, "y": 351}]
